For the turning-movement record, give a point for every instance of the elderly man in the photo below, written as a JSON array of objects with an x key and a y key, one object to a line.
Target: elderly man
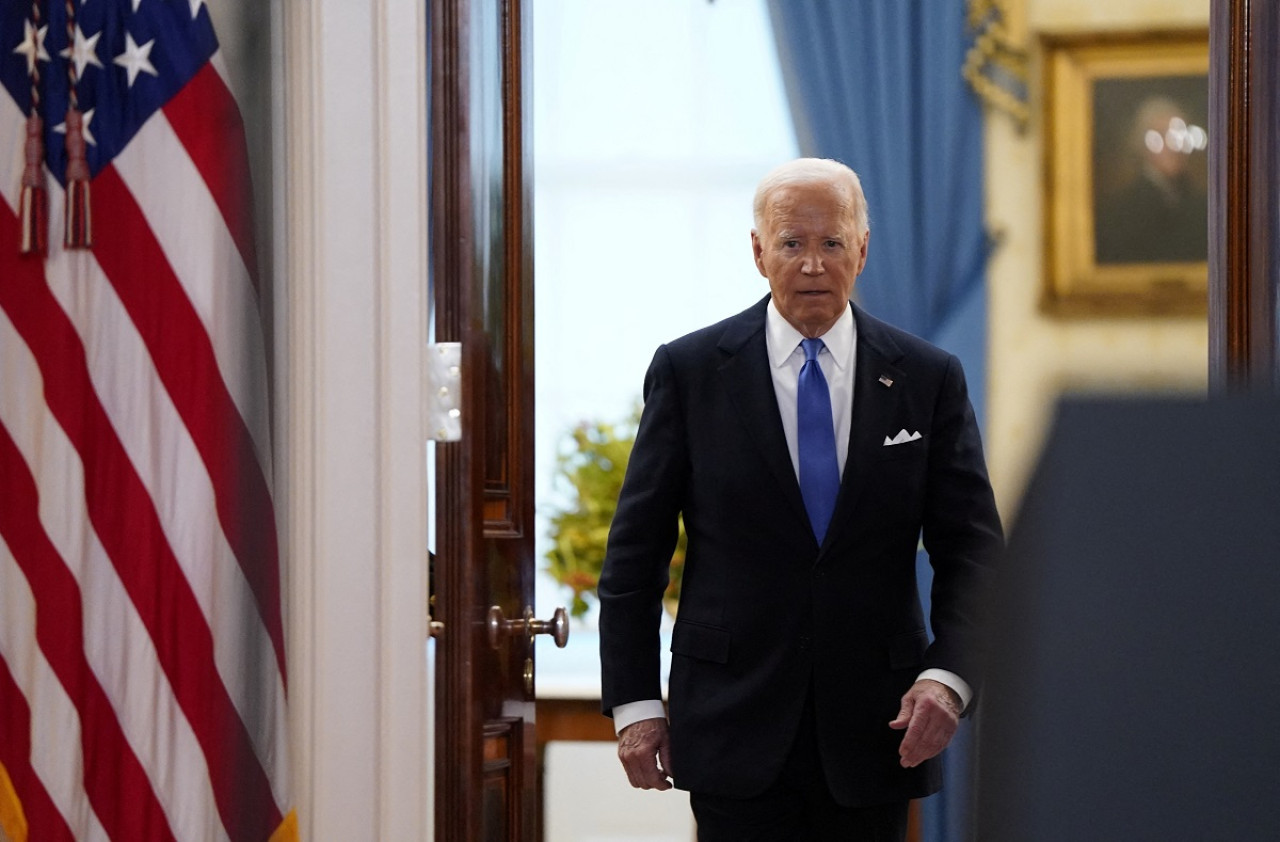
[{"x": 807, "y": 446}]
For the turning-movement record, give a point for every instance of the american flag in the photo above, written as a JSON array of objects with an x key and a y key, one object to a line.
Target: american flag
[{"x": 142, "y": 670}]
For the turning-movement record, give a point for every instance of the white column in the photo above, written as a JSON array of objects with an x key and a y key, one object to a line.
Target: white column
[{"x": 351, "y": 327}]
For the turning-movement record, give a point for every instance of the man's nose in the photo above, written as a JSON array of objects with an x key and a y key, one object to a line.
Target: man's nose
[{"x": 812, "y": 264}]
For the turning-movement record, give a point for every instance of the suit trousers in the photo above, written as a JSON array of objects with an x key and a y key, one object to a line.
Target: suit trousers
[{"x": 798, "y": 806}]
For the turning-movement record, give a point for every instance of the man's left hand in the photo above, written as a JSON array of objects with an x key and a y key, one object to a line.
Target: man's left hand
[{"x": 930, "y": 713}]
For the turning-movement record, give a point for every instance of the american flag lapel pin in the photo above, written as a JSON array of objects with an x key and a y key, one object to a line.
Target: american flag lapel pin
[{"x": 886, "y": 380}]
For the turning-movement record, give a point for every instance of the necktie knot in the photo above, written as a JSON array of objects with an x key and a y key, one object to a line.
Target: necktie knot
[{"x": 812, "y": 347}]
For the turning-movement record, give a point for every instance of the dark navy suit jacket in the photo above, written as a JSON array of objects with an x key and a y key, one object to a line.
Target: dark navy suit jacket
[{"x": 766, "y": 613}]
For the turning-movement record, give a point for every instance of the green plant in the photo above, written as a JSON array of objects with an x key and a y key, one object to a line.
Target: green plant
[{"x": 591, "y": 471}]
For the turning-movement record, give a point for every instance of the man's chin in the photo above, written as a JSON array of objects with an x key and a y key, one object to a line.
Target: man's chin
[{"x": 814, "y": 320}]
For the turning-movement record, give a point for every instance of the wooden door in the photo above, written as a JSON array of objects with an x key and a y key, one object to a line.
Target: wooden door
[
  {"x": 481, "y": 260},
  {"x": 1244, "y": 196}
]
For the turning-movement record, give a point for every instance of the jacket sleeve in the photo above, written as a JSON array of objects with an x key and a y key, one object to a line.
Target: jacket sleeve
[
  {"x": 961, "y": 530},
  {"x": 642, "y": 539}
]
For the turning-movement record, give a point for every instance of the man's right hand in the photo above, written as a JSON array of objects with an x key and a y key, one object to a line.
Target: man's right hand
[{"x": 645, "y": 751}]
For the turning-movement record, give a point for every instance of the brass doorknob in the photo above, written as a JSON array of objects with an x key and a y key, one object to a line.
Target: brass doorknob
[{"x": 557, "y": 626}]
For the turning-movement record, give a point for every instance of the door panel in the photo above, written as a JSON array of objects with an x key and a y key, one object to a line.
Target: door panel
[{"x": 481, "y": 258}]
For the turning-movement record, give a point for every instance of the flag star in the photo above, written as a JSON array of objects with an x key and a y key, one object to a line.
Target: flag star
[
  {"x": 32, "y": 46},
  {"x": 61, "y": 128},
  {"x": 136, "y": 59},
  {"x": 83, "y": 52}
]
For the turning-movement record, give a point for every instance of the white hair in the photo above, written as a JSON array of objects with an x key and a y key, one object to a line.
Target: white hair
[{"x": 808, "y": 171}]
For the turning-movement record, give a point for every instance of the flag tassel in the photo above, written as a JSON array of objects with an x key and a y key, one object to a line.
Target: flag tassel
[
  {"x": 33, "y": 207},
  {"x": 79, "y": 219}
]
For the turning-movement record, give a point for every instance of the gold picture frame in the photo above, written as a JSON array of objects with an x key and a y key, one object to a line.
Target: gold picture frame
[{"x": 1126, "y": 173}]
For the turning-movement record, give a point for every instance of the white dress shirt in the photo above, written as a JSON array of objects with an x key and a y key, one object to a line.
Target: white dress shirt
[{"x": 786, "y": 357}]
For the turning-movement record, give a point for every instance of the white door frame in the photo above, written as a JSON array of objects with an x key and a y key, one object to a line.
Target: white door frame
[{"x": 351, "y": 310}]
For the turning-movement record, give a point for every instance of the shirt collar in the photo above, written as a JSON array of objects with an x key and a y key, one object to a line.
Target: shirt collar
[{"x": 783, "y": 338}]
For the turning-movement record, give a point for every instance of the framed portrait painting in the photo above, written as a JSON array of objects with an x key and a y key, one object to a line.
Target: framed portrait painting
[{"x": 1126, "y": 173}]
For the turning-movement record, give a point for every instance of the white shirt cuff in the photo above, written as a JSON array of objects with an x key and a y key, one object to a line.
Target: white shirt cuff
[
  {"x": 955, "y": 682},
  {"x": 632, "y": 712}
]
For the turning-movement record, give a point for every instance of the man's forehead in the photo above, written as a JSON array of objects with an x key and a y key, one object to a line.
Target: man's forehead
[
  {"x": 790, "y": 208},
  {"x": 793, "y": 222},
  {"x": 793, "y": 232}
]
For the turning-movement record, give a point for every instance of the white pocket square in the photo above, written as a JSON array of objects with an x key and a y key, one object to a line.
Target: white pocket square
[{"x": 901, "y": 438}]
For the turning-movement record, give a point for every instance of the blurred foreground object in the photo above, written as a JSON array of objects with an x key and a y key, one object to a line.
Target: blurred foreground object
[{"x": 1133, "y": 690}]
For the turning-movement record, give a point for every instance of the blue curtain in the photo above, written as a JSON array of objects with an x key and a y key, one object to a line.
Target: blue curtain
[{"x": 876, "y": 84}]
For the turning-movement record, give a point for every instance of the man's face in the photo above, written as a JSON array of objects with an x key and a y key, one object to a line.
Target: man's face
[
  {"x": 811, "y": 252},
  {"x": 1168, "y": 160}
]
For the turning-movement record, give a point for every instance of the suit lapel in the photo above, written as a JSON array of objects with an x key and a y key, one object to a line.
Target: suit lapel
[
  {"x": 745, "y": 371},
  {"x": 747, "y": 379},
  {"x": 874, "y": 405}
]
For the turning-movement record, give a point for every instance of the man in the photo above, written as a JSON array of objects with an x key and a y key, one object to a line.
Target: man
[
  {"x": 806, "y": 701},
  {"x": 1160, "y": 212}
]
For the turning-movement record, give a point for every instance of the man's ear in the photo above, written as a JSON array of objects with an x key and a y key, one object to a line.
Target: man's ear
[
  {"x": 757, "y": 251},
  {"x": 862, "y": 252}
]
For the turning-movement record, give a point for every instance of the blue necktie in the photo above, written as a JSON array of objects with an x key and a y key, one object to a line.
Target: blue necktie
[{"x": 819, "y": 470}]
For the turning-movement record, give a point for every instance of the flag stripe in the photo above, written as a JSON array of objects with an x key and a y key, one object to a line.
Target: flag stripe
[
  {"x": 206, "y": 118},
  {"x": 186, "y": 363},
  {"x": 12, "y": 139},
  {"x": 15, "y": 756},
  {"x": 114, "y": 778},
  {"x": 124, "y": 518},
  {"x": 147, "y": 424},
  {"x": 54, "y": 748},
  {"x": 173, "y": 196},
  {"x": 117, "y": 645}
]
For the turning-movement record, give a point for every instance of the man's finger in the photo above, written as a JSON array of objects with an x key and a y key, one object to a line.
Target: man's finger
[
  {"x": 908, "y": 749},
  {"x": 664, "y": 758},
  {"x": 904, "y": 713},
  {"x": 923, "y": 740},
  {"x": 644, "y": 776}
]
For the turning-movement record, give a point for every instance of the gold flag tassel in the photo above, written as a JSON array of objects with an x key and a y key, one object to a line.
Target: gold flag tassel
[
  {"x": 33, "y": 202},
  {"x": 79, "y": 220}
]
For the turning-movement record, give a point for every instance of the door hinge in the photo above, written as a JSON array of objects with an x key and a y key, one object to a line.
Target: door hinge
[{"x": 444, "y": 391}]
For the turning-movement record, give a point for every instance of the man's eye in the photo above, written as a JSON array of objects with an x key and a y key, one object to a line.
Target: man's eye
[
  {"x": 790, "y": 244},
  {"x": 831, "y": 244}
]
